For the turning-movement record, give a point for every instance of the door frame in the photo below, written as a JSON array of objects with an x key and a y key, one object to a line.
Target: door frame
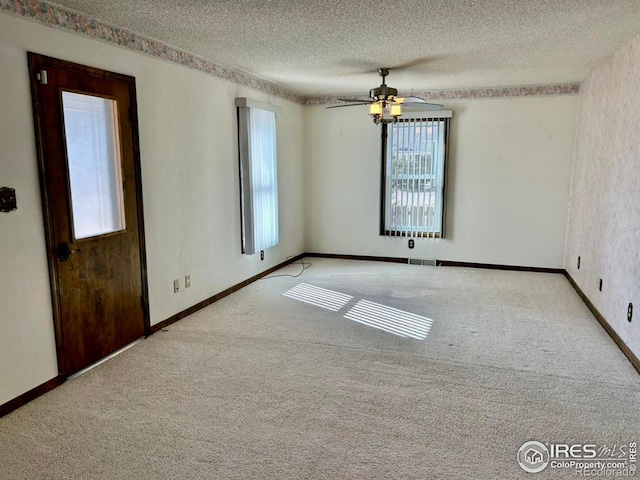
[{"x": 39, "y": 62}]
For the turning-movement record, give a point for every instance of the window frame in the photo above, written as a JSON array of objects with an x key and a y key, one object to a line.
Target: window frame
[
  {"x": 250, "y": 238},
  {"x": 445, "y": 117}
]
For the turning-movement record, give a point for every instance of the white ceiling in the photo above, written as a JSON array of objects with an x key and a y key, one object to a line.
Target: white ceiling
[{"x": 331, "y": 46}]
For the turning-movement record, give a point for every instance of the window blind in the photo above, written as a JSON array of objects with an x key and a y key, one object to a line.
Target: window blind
[
  {"x": 258, "y": 176},
  {"x": 415, "y": 171}
]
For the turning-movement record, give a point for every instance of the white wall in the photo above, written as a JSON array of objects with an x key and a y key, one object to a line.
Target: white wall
[
  {"x": 508, "y": 184},
  {"x": 190, "y": 184},
  {"x": 508, "y": 189},
  {"x": 604, "y": 214}
]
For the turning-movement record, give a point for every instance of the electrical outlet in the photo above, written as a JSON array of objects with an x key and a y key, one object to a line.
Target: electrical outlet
[
  {"x": 261, "y": 254},
  {"x": 187, "y": 281},
  {"x": 7, "y": 199},
  {"x": 176, "y": 285},
  {"x": 600, "y": 286},
  {"x": 629, "y": 312},
  {"x": 578, "y": 262},
  {"x": 412, "y": 243}
]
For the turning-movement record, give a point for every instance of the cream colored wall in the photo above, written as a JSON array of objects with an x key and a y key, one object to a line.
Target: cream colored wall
[
  {"x": 509, "y": 177},
  {"x": 508, "y": 183},
  {"x": 604, "y": 214},
  {"x": 190, "y": 184}
]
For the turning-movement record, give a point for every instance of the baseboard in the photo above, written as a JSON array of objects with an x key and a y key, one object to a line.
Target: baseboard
[
  {"x": 26, "y": 397},
  {"x": 358, "y": 257},
  {"x": 17, "y": 402},
  {"x": 440, "y": 263},
  {"x": 208, "y": 301},
  {"x": 32, "y": 394},
  {"x": 491, "y": 266},
  {"x": 609, "y": 329}
]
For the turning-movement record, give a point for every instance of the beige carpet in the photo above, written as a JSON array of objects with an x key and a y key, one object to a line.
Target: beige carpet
[{"x": 263, "y": 386}]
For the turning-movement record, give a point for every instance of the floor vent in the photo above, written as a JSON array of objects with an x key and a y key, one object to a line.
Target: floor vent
[{"x": 431, "y": 262}]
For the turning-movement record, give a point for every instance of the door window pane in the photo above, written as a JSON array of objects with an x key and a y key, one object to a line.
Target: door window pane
[{"x": 95, "y": 167}]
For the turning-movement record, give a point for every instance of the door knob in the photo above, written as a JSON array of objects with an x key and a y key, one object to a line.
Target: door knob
[{"x": 65, "y": 251}]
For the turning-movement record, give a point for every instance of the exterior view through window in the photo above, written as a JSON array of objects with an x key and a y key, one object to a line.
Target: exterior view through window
[{"x": 414, "y": 183}]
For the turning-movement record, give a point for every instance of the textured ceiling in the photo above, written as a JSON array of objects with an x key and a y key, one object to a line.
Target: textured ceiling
[{"x": 327, "y": 47}]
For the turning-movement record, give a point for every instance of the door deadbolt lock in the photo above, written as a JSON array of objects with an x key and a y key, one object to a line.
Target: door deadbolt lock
[{"x": 65, "y": 251}]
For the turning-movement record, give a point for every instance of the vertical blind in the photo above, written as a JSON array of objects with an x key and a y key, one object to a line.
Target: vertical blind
[
  {"x": 258, "y": 176},
  {"x": 415, "y": 167}
]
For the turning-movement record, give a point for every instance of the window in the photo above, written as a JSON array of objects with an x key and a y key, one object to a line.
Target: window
[
  {"x": 95, "y": 165},
  {"x": 258, "y": 174},
  {"x": 414, "y": 153}
]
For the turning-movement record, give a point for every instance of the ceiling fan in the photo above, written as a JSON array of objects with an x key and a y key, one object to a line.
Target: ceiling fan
[{"x": 384, "y": 105}]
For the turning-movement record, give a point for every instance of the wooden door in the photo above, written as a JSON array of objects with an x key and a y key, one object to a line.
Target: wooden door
[{"x": 86, "y": 131}]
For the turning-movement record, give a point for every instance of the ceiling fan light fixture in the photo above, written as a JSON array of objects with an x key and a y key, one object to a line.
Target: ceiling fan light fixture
[
  {"x": 384, "y": 111},
  {"x": 396, "y": 110},
  {"x": 376, "y": 108},
  {"x": 384, "y": 105},
  {"x": 383, "y": 108}
]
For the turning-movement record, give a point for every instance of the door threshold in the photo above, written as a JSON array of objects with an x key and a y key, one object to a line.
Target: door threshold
[{"x": 101, "y": 361}]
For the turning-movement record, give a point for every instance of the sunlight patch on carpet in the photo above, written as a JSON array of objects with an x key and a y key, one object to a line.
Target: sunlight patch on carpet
[
  {"x": 391, "y": 320},
  {"x": 320, "y": 297}
]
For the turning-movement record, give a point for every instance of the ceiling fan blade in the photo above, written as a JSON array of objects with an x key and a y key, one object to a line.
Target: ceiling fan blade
[
  {"x": 422, "y": 107},
  {"x": 348, "y": 105},
  {"x": 410, "y": 100},
  {"x": 417, "y": 102}
]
